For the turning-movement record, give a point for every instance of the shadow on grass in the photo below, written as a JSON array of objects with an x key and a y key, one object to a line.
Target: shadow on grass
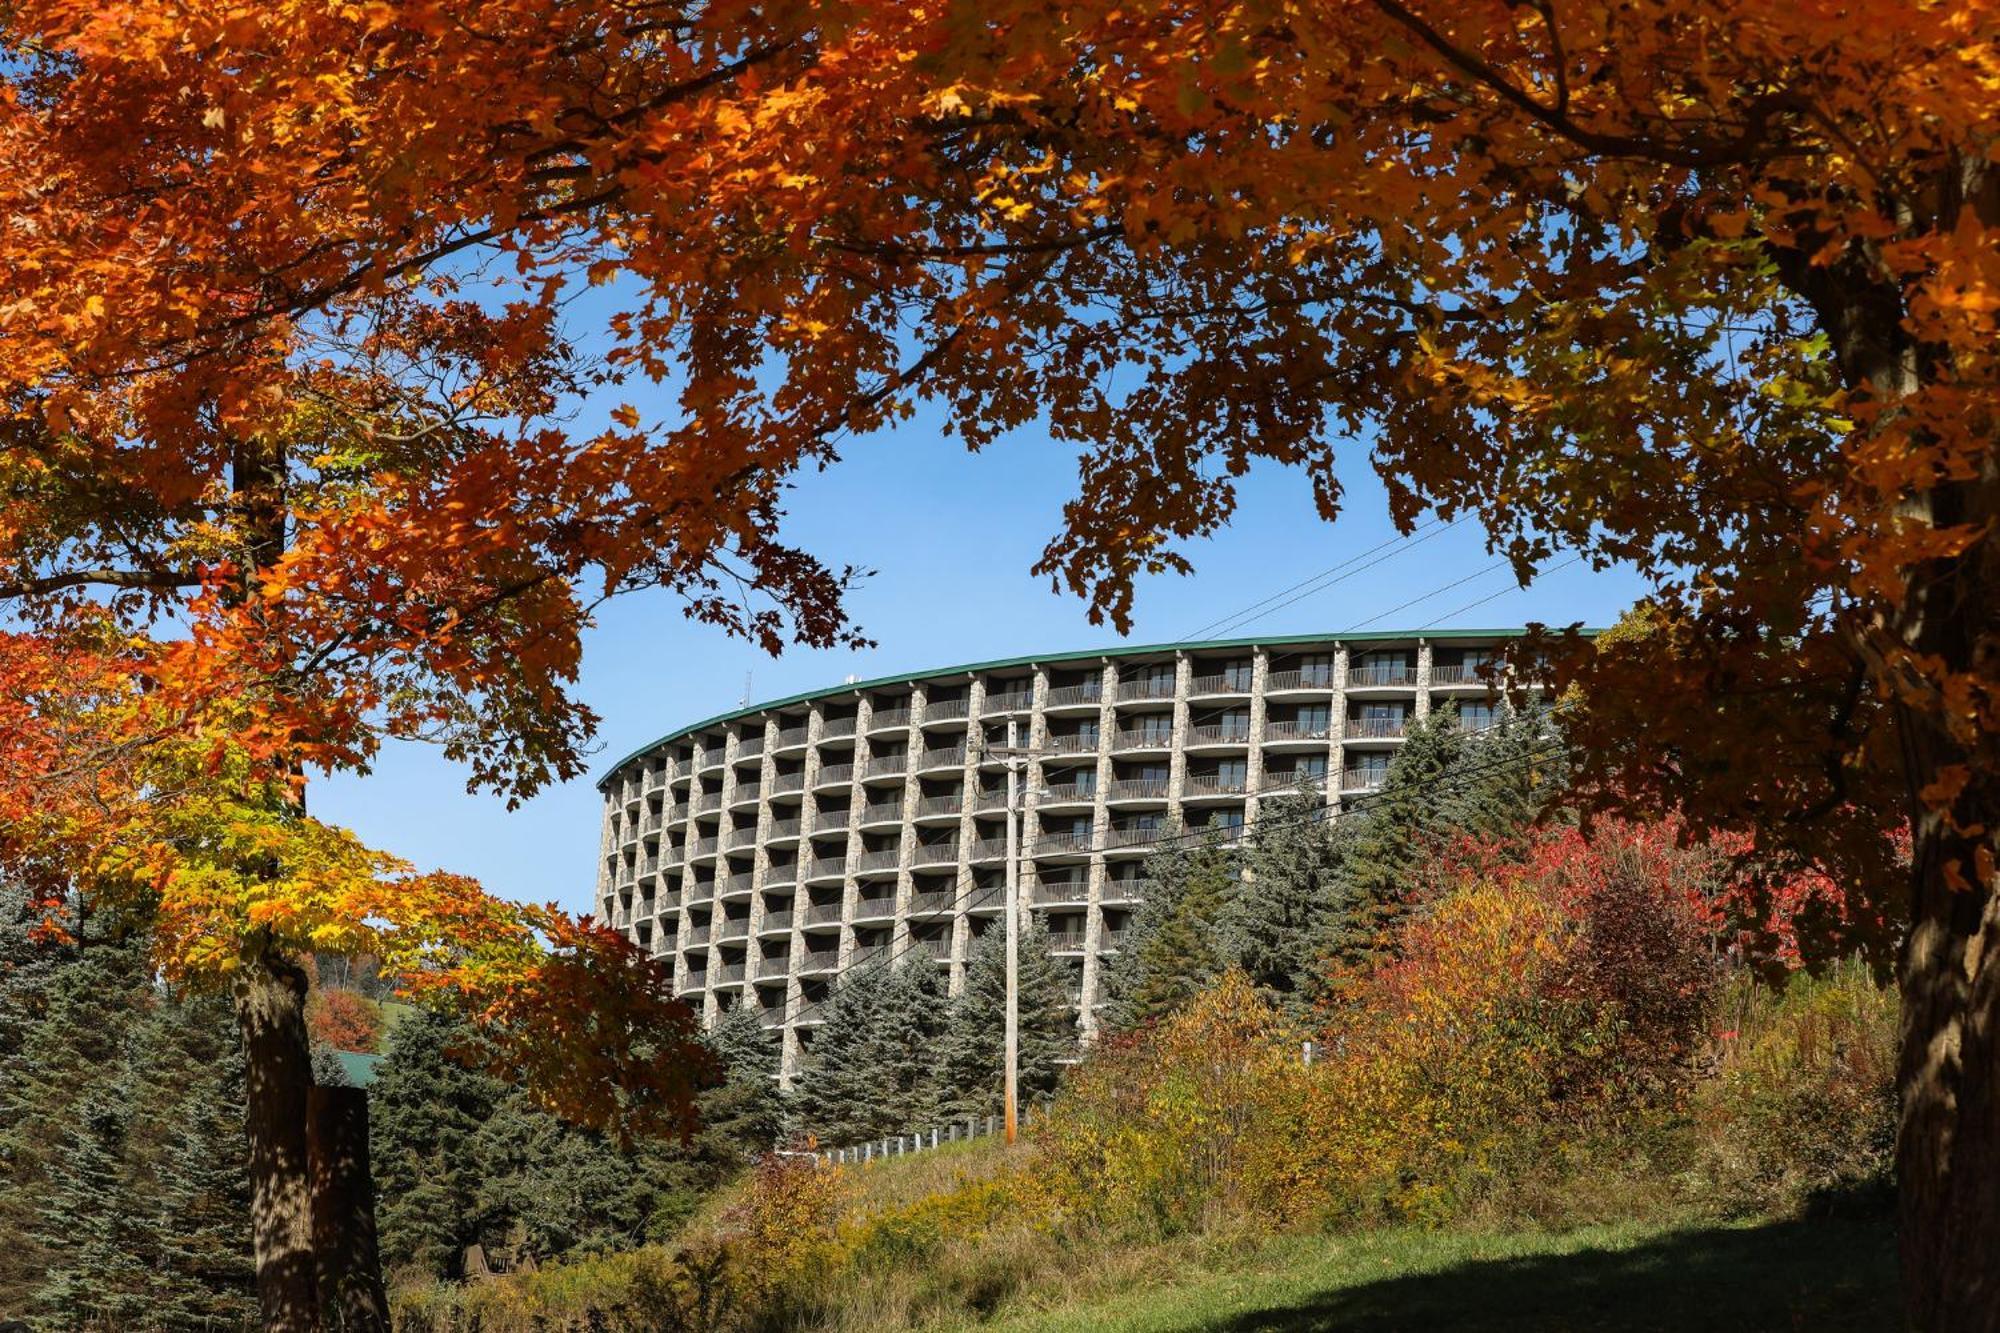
[{"x": 1827, "y": 1273}]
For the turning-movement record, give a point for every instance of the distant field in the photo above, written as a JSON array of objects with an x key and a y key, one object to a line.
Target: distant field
[{"x": 1814, "y": 1275}]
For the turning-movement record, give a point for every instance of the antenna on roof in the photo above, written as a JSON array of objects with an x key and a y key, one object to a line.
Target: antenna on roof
[{"x": 744, "y": 702}]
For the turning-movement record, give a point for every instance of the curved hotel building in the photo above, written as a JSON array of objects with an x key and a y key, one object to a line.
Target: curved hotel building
[{"x": 769, "y": 850}]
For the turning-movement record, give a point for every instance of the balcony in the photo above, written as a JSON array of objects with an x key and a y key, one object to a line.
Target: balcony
[
  {"x": 1198, "y": 785},
  {"x": 1304, "y": 730},
  {"x": 698, "y": 936},
  {"x": 1363, "y": 779},
  {"x": 886, "y": 766},
  {"x": 1090, "y": 693},
  {"x": 783, "y": 830},
  {"x": 1130, "y": 691},
  {"x": 888, "y": 719},
  {"x": 868, "y": 953},
  {"x": 1061, "y": 893},
  {"x": 953, "y": 757},
  {"x": 699, "y": 893},
  {"x": 935, "y": 806},
  {"x": 1376, "y": 728},
  {"x": 649, "y": 822},
  {"x": 742, "y": 837},
  {"x": 887, "y": 858},
  {"x": 1134, "y": 836},
  {"x": 692, "y": 981},
  {"x": 1228, "y": 682},
  {"x": 731, "y": 974},
  {"x": 1066, "y": 941},
  {"x": 826, "y": 868},
  {"x": 1219, "y": 733},
  {"x": 936, "y": 853},
  {"x": 994, "y": 798},
  {"x": 782, "y": 875},
  {"x": 1145, "y": 738},
  {"x": 784, "y": 784},
  {"x": 833, "y": 775},
  {"x": 711, "y": 760},
  {"x": 702, "y": 847},
  {"x": 1311, "y": 678},
  {"x": 1111, "y": 941},
  {"x": 1290, "y": 779},
  {"x": 882, "y": 812},
  {"x": 820, "y": 960},
  {"x": 746, "y": 793},
  {"x": 791, "y": 738},
  {"x": 1068, "y": 793},
  {"x": 1083, "y": 742},
  {"x": 1138, "y": 789},
  {"x": 1464, "y": 673},
  {"x": 1122, "y": 891},
  {"x": 707, "y": 803},
  {"x": 881, "y": 908},
  {"x": 946, "y": 710},
  {"x": 830, "y": 822},
  {"x": 1013, "y": 701},
  {"x": 823, "y": 914},
  {"x": 776, "y": 923},
  {"x": 750, "y": 746},
  {"x": 735, "y": 928},
  {"x": 835, "y": 727},
  {"x": 1381, "y": 675},
  {"x": 939, "y": 949},
  {"x": 928, "y": 904},
  {"x": 988, "y": 849},
  {"x": 735, "y": 884}
]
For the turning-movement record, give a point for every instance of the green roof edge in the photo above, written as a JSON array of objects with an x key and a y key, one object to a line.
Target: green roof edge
[{"x": 1033, "y": 659}]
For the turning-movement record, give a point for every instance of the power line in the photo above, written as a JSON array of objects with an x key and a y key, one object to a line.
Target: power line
[
  {"x": 1494, "y": 596},
  {"x": 1327, "y": 578}
]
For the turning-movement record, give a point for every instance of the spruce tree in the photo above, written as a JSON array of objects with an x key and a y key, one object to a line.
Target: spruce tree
[
  {"x": 971, "y": 1077},
  {"x": 1275, "y": 927},
  {"x": 744, "y": 1112},
  {"x": 870, "y": 1072},
  {"x": 424, "y": 1110},
  {"x": 1176, "y": 948},
  {"x": 90, "y": 1224},
  {"x": 202, "y": 1208}
]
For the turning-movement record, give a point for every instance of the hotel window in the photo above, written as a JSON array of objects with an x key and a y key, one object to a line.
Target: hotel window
[{"x": 1316, "y": 669}]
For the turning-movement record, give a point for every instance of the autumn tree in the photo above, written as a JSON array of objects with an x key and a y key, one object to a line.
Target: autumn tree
[{"x": 1706, "y": 288}]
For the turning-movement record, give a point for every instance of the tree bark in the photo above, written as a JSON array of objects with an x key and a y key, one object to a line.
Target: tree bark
[
  {"x": 351, "y": 1294},
  {"x": 271, "y": 1013}
]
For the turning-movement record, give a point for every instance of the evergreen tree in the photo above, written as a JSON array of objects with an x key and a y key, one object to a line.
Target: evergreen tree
[
  {"x": 89, "y": 1224},
  {"x": 971, "y": 1074},
  {"x": 1176, "y": 948},
  {"x": 202, "y": 1208},
  {"x": 870, "y": 1072},
  {"x": 1275, "y": 927},
  {"x": 744, "y": 1113},
  {"x": 424, "y": 1110}
]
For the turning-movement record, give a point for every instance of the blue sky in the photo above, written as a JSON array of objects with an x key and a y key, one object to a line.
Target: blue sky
[{"x": 953, "y": 536}]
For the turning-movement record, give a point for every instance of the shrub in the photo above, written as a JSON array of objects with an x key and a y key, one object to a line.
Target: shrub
[
  {"x": 1803, "y": 1107},
  {"x": 343, "y": 1019}
]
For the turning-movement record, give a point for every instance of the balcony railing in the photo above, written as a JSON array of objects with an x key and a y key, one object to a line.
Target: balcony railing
[
  {"x": 1125, "y": 890},
  {"x": 831, "y": 775},
  {"x": 994, "y": 799},
  {"x": 1066, "y": 941},
  {"x": 1209, "y": 784},
  {"x": 1149, "y": 687},
  {"x": 830, "y": 821},
  {"x": 747, "y": 793},
  {"x": 1311, "y": 678},
  {"x": 742, "y": 837},
  {"x": 1139, "y": 836},
  {"x": 1139, "y": 789},
  {"x": 939, "y": 948},
  {"x": 1290, "y": 779},
  {"x": 875, "y": 909},
  {"x": 1111, "y": 941},
  {"x": 1362, "y": 779},
  {"x": 882, "y": 812},
  {"x": 783, "y": 784},
  {"x": 887, "y": 858},
  {"x": 953, "y": 757},
  {"x": 951, "y": 804},
  {"x": 1068, "y": 696},
  {"x": 1069, "y": 793},
  {"x": 836, "y": 726},
  {"x": 700, "y": 892},
  {"x": 867, "y": 953},
  {"x": 1073, "y": 840},
  {"x": 1375, "y": 728},
  {"x": 823, "y": 914},
  {"x": 731, "y": 972},
  {"x": 887, "y": 765},
  {"x": 708, "y": 803},
  {"x": 649, "y": 822},
  {"x": 819, "y": 960},
  {"x": 1298, "y": 730},
  {"x": 822, "y": 866},
  {"x": 888, "y": 719},
  {"x": 775, "y": 922},
  {"x": 1146, "y": 738},
  {"x": 1462, "y": 673},
  {"x": 783, "y": 828},
  {"x": 737, "y": 883},
  {"x": 1381, "y": 674},
  {"x": 750, "y": 746},
  {"x": 1083, "y": 742},
  {"x": 1220, "y": 733},
  {"x": 1061, "y": 893},
  {"x": 735, "y": 928},
  {"x": 791, "y": 738},
  {"x": 698, "y": 936},
  {"x": 945, "y": 710},
  {"x": 692, "y": 980},
  {"x": 1013, "y": 701},
  {"x": 1228, "y": 682},
  {"x": 923, "y": 904},
  {"x": 937, "y": 853},
  {"x": 703, "y": 847},
  {"x": 987, "y": 848}
]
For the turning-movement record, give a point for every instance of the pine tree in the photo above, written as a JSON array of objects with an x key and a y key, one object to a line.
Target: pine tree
[
  {"x": 89, "y": 1223},
  {"x": 870, "y": 1072},
  {"x": 745, "y": 1112},
  {"x": 971, "y": 1077},
  {"x": 1176, "y": 948},
  {"x": 1275, "y": 927}
]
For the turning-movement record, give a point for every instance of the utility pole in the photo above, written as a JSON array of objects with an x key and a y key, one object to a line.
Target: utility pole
[{"x": 1013, "y": 935}]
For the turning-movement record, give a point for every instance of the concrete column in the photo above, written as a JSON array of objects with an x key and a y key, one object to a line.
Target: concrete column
[
  {"x": 1423, "y": 708},
  {"x": 1177, "y": 757},
  {"x": 899, "y": 930},
  {"x": 1100, "y": 833},
  {"x": 1253, "y": 773},
  {"x": 961, "y": 921},
  {"x": 1336, "y": 759},
  {"x": 857, "y": 798}
]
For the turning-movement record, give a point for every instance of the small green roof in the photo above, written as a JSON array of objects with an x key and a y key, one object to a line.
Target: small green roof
[
  {"x": 358, "y": 1067},
  {"x": 1036, "y": 659}
]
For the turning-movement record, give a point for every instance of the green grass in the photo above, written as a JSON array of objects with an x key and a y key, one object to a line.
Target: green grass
[{"x": 1832, "y": 1274}]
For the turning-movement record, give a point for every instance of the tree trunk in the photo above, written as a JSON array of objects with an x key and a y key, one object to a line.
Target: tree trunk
[
  {"x": 271, "y": 1012},
  {"x": 351, "y": 1294}
]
